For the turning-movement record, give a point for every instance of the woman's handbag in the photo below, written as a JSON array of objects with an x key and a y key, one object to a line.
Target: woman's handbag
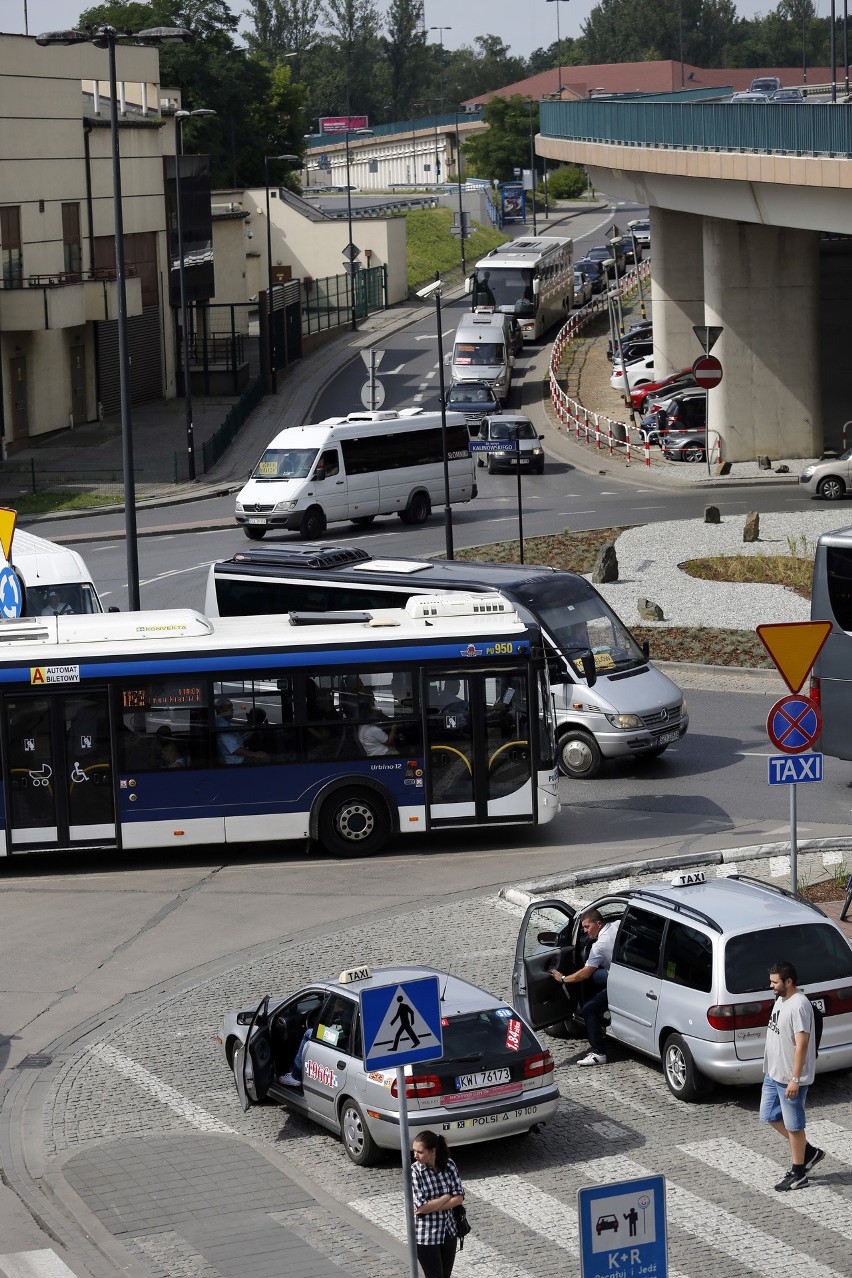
[{"x": 462, "y": 1224}]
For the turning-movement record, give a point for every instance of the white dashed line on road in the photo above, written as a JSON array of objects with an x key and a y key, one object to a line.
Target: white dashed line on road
[
  {"x": 197, "y": 1117},
  {"x": 34, "y": 1264}
]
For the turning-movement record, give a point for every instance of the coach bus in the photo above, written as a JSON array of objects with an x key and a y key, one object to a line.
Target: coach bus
[
  {"x": 166, "y": 729},
  {"x": 532, "y": 279},
  {"x": 831, "y": 676}
]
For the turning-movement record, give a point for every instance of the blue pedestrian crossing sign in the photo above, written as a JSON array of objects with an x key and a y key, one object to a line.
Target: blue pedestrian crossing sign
[
  {"x": 401, "y": 1023},
  {"x": 623, "y": 1229}
]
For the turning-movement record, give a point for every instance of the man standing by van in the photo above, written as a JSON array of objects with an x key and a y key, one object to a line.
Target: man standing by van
[
  {"x": 595, "y": 970},
  {"x": 789, "y": 1066}
]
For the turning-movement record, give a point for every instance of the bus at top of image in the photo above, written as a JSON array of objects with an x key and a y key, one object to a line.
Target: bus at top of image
[
  {"x": 56, "y": 579},
  {"x": 610, "y": 702},
  {"x": 130, "y": 731},
  {"x": 831, "y": 676},
  {"x": 530, "y": 278}
]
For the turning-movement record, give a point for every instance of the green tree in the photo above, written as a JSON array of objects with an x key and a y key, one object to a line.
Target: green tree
[
  {"x": 642, "y": 30},
  {"x": 403, "y": 55},
  {"x": 567, "y": 183},
  {"x": 505, "y": 145},
  {"x": 282, "y": 28}
]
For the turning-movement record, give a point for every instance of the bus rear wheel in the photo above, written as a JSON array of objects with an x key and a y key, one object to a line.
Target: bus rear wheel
[{"x": 354, "y": 823}]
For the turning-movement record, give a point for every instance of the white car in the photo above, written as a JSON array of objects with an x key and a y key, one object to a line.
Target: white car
[{"x": 636, "y": 374}]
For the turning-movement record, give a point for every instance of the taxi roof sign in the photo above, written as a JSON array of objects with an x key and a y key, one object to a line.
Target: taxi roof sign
[{"x": 794, "y": 647}]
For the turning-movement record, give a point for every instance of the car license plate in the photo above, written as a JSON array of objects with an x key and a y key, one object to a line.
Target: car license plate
[
  {"x": 819, "y": 1003},
  {"x": 484, "y": 1078},
  {"x": 257, "y": 521},
  {"x": 665, "y": 737}
]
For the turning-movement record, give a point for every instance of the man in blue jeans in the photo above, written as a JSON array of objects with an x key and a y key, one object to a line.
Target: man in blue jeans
[{"x": 595, "y": 970}]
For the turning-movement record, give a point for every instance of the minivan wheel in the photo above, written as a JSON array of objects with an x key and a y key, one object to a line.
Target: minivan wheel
[
  {"x": 253, "y": 532},
  {"x": 831, "y": 488},
  {"x": 579, "y": 754},
  {"x": 357, "y": 1141},
  {"x": 682, "y": 1078},
  {"x": 313, "y": 524}
]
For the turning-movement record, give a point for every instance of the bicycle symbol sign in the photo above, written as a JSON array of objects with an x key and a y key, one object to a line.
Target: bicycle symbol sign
[{"x": 794, "y": 723}]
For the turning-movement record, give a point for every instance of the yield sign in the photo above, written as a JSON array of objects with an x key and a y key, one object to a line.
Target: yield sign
[
  {"x": 794, "y": 723},
  {"x": 708, "y": 335},
  {"x": 794, "y": 647}
]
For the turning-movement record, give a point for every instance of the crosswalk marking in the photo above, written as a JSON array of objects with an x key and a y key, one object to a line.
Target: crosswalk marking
[
  {"x": 819, "y": 1203},
  {"x": 831, "y": 1137},
  {"x": 750, "y": 1247},
  {"x": 43, "y": 1263},
  {"x": 199, "y": 1118}
]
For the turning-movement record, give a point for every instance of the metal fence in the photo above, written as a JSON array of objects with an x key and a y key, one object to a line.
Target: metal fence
[
  {"x": 327, "y": 302},
  {"x": 213, "y": 448}
]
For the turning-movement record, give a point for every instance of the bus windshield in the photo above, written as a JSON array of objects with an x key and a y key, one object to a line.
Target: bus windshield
[
  {"x": 576, "y": 618},
  {"x": 480, "y": 353},
  {"x": 509, "y": 289},
  {"x": 285, "y": 463}
]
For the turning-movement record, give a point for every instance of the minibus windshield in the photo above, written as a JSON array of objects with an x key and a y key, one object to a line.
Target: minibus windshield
[
  {"x": 576, "y": 618},
  {"x": 479, "y": 353},
  {"x": 285, "y": 463}
]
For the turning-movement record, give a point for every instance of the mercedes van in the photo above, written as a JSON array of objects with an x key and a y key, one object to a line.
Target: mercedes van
[{"x": 482, "y": 351}]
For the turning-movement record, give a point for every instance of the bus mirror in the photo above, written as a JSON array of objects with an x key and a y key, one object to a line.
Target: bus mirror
[
  {"x": 113, "y": 608},
  {"x": 590, "y": 673},
  {"x": 468, "y": 284},
  {"x": 536, "y": 286}
]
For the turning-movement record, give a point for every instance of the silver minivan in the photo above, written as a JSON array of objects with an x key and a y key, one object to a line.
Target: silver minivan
[
  {"x": 689, "y": 980},
  {"x": 482, "y": 351}
]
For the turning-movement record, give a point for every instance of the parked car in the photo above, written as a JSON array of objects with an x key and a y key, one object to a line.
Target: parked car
[
  {"x": 750, "y": 97},
  {"x": 675, "y": 382},
  {"x": 632, "y": 256},
  {"x": 685, "y": 446},
  {"x": 640, "y": 228},
  {"x": 788, "y": 95},
  {"x": 689, "y": 981},
  {"x": 493, "y": 1079},
  {"x": 637, "y": 373},
  {"x": 509, "y": 427},
  {"x": 595, "y": 271},
  {"x": 611, "y": 255},
  {"x": 475, "y": 400},
  {"x": 628, "y": 351},
  {"x": 687, "y": 410},
  {"x": 830, "y": 478},
  {"x": 642, "y": 329},
  {"x": 582, "y": 288},
  {"x": 765, "y": 84}
]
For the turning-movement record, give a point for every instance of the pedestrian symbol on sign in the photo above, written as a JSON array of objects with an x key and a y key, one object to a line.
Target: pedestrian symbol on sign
[{"x": 401, "y": 1023}]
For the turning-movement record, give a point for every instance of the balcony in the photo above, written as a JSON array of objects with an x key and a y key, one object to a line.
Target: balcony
[{"x": 35, "y": 302}]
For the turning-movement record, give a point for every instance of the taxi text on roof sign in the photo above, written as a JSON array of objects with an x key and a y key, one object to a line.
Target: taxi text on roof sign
[
  {"x": 794, "y": 647},
  {"x": 40, "y": 675}
]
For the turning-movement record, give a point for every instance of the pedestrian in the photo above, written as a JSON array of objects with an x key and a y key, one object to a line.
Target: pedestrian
[
  {"x": 789, "y": 1065},
  {"x": 596, "y": 971},
  {"x": 436, "y": 1187}
]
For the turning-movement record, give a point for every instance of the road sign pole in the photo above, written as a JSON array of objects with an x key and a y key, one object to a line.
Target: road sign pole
[
  {"x": 372, "y": 381},
  {"x": 405, "y": 1152},
  {"x": 520, "y": 498},
  {"x": 794, "y": 846}
]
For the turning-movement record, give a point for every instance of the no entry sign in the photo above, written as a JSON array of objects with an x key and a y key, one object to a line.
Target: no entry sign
[
  {"x": 794, "y": 724},
  {"x": 707, "y": 371}
]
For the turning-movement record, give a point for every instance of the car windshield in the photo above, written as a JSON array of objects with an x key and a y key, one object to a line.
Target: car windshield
[
  {"x": 576, "y": 618},
  {"x": 600, "y": 254},
  {"x": 817, "y": 950},
  {"x": 285, "y": 463},
  {"x": 591, "y": 267},
  {"x": 470, "y": 394},
  {"x": 512, "y": 430},
  {"x": 496, "y": 1036}
]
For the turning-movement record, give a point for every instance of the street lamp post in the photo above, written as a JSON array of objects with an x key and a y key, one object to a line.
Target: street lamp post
[
  {"x": 180, "y": 117},
  {"x": 350, "y": 264},
  {"x": 558, "y": 43},
  {"x": 434, "y": 290},
  {"x": 105, "y": 36},
  {"x": 532, "y": 165},
  {"x": 461, "y": 202},
  {"x": 270, "y": 313},
  {"x": 441, "y": 31}
]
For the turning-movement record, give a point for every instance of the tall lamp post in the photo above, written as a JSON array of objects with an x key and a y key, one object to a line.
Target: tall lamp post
[
  {"x": 461, "y": 202},
  {"x": 104, "y": 36},
  {"x": 429, "y": 291},
  {"x": 351, "y": 251},
  {"x": 558, "y": 42},
  {"x": 441, "y": 31},
  {"x": 180, "y": 117},
  {"x": 532, "y": 165},
  {"x": 273, "y": 372}
]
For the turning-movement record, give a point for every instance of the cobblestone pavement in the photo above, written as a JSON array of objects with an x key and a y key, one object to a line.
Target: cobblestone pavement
[{"x": 145, "y": 1124}]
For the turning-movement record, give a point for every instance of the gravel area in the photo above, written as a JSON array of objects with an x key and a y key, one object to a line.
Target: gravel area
[{"x": 649, "y": 558}]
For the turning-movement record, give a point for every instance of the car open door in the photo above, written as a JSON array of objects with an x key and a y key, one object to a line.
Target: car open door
[
  {"x": 546, "y": 942},
  {"x": 253, "y": 1059}
]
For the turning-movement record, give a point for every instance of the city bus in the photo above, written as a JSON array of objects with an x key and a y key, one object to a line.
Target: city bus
[
  {"x": 831, "y": 676},
  {"x": 610, "y": 701},
  {"x": 530, "y": 278},
  {"x": 130, "y": 731}
]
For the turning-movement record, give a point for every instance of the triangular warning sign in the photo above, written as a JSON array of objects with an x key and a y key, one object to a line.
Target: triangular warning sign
[
  {"x": 708, "y": 335},
  {"x": 402, "y": 1027},
  {"x": 7, "y": 531},
  {"x": 794, "y": 647}
]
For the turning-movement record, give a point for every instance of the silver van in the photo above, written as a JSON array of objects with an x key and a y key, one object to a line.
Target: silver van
[{"x": 482, "y": 351}]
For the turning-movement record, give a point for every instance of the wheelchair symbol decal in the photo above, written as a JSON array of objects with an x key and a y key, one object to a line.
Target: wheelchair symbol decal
[
  {"x": 77, "y": 773},
  {"x": 42, "y": 777}
]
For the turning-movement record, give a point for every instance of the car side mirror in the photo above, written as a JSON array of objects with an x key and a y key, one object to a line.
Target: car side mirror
[{"x": 319, "y": 474}]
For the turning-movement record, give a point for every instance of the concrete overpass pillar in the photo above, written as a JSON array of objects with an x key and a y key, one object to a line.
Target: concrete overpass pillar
[
  {"x": 761, "y": 284},
  {"x": 677, "y": 288}
]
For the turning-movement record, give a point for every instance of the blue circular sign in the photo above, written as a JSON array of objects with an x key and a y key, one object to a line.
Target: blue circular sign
[
  {"x": 794, "y": 724},
  {"x": 11, "y": 599}
]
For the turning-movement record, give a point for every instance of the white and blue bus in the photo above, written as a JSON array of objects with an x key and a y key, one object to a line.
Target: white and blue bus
[{"x": 166, "y": 729}]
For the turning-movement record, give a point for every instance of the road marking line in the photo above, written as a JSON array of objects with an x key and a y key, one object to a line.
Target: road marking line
[
  {"x": 831, "y": 1137},
  {"x": 818, "y": 1202},
  {"x": 34, "y": 1264},
  {"x": 197, "y": 1117},
  {"x": 750, "y": 1247}
]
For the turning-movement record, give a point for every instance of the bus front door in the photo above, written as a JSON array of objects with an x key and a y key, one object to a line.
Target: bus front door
[
  {"x": 478, "y": 753},
  {"x": 58, "y": 779}
]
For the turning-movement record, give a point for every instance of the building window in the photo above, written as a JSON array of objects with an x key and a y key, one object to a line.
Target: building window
[
  {"x": 71, "y": 241},
  {"x": 10, "y": 244}
]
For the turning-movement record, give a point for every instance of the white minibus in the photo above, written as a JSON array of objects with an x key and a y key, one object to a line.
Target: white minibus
[
  {"x": 357, "y": 467},
  {"x": 55, "y": 578}
]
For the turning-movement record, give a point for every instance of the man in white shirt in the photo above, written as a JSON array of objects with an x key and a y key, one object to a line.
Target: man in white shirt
[
  {"x": 789, "y": 1066},
  {"x": 595, "y": 970}
]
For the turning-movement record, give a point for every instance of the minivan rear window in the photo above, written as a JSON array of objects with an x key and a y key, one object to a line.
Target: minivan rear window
[{"x": 817, "y": 951}]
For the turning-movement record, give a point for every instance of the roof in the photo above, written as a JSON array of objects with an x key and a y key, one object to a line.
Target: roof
[
  {"x": 457, "y": 996},
  {"x": 738, "y": 905}
]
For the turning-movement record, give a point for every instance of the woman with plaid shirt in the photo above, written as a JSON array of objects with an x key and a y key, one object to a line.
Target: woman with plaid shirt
[{"x": 437, "y": 1189}]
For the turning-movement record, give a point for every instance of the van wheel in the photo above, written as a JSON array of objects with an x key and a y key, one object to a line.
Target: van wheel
[
  {"x": 682, "y": 1078},
  {"x": 253, "y": 532},
  {"x": 313, "y": 524},
  {"x": 579, "y": 754},
  {"x": 354, "y": 823},
  {"x": 363, "y": 521},
  {"x": 418, "y": 510},
  {"x": 357, "y": 1141}
]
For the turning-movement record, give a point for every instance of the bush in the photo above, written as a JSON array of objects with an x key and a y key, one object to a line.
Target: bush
[{"x": 567, "y": 183}]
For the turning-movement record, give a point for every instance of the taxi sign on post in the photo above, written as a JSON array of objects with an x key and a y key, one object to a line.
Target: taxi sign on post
[
  {"x": 623, "y": 1229},
  {"x": 794, "y": 647}
]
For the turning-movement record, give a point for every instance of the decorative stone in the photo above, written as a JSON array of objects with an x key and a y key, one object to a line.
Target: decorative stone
[
  {"x": 764, "y": 463},
  {"x": 782, "y": 469},
  {"x": 606, "y": 565},
  {"x": 649, "y": 611},
  {"x": 751, "y": 528},
  {"x": 711, "y": 515}
]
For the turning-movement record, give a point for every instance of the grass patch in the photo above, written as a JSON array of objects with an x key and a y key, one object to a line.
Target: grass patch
[
  {"x": 45, "y": 503},
  {"x": 431, "y": 248}
]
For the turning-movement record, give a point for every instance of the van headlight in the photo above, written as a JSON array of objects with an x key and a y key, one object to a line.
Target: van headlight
[
  {"x": 625, "y": 720},
  {"x": 537, "y": 452},
  {"x": 238, "y": 507},
  {"x": 285, "y": 505}
]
